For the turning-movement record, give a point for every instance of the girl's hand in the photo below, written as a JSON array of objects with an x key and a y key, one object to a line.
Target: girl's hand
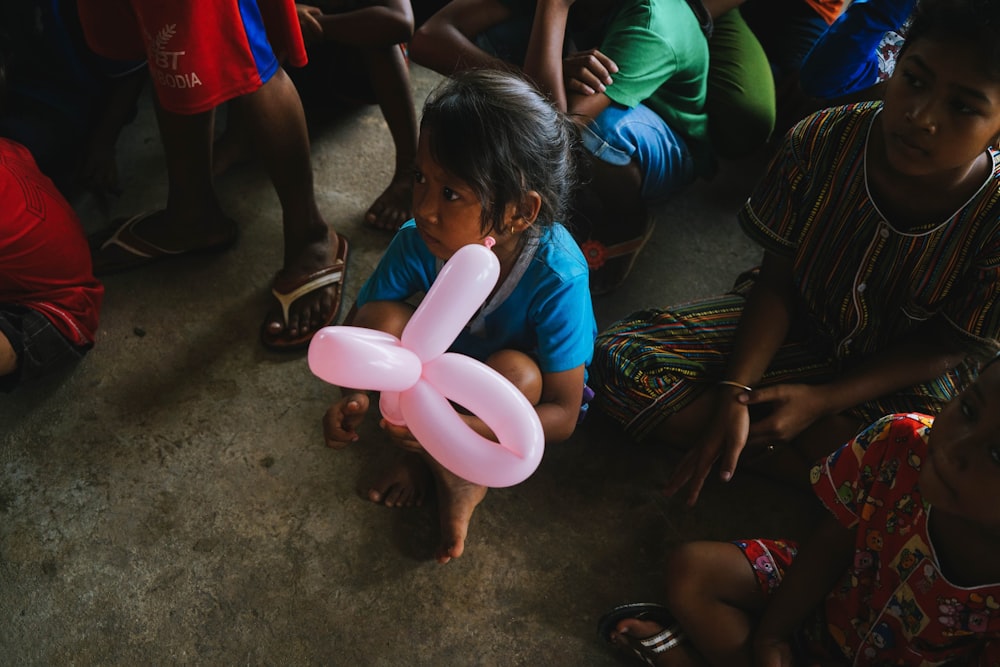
[
  {"x": 312, "y": 31},
  {"x": 341, "y": 421},
  {"x": 588, "y": 72},
  {"x": 401, "y": 436},
  {"x": 790, "y": 408},
  {"x": 724, "y": 441}
]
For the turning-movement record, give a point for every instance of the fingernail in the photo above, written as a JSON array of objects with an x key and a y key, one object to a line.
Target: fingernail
[{"x": 726, "y": 475}]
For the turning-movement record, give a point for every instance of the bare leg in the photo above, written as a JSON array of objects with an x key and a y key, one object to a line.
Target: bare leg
[
  {"x": 8, "y": 359},
  {"x": 193, "y": 218},
  {"x": 611, "y": 208},
  {"x": 274, "y": 114},
  {"x": 390, "y": 78},
  {"x": 233, "y": 147},
  {"x": 457, "y": 499},
  {"x": 714, "y": 595}
]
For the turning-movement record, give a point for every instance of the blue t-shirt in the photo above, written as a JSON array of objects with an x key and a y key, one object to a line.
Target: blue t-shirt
[{"x": 543, "y": 307}]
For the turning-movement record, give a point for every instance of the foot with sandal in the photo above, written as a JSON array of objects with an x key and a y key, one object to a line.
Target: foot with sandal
[{"x": 647, "y": 631}]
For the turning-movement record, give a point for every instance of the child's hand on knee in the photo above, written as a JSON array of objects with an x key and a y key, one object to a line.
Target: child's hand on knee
[{"x": 341, "y": 421}]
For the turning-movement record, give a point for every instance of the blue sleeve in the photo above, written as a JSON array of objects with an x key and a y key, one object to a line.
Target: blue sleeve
[
  {"x": 407, "y": 268},
  {"x": 565, "y": 326},
  {"x": 845, "y": 59}
]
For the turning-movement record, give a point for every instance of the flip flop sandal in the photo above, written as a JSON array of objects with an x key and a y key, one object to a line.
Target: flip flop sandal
[
  {"x": 139, "y": 251},
  {"x": 597, "y": 255},
  {"x": 646, "y": 649},
  {"x": 328, "y": 275}
]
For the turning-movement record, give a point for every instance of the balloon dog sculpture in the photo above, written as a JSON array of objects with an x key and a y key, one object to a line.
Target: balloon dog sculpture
[{"x": 419, "y": 378}]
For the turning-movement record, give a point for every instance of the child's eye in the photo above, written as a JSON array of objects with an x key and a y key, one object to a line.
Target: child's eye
[
  {"x": 967, "y": 410},
  {"x": 449, "y": 194},
  {"x": 963, "y": 108},
  {"x": 912, "y": 79},
  {"x": 418, "y": 176}
]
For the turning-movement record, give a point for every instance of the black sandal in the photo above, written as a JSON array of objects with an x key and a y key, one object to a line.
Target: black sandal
[{"x": 646, "y": 649}]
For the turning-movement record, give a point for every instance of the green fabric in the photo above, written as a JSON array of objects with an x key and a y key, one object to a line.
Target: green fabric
[
  {"x": 662, "y": 59},
  {"x": 741, "y": 97}
]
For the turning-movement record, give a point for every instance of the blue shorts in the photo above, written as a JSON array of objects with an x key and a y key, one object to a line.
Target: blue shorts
[
  {"x": 38, "y": 345},
  {"x": 620, "y": 135}
]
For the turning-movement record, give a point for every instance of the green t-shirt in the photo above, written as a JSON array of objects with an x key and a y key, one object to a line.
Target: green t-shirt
[{"x": 662, "y": 59}]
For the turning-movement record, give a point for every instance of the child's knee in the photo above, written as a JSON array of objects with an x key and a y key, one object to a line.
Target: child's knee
[
  {"x": 690, "y": 567},
  {"x": 388, "y": 316},
  {"x": 521, "y": 370}
]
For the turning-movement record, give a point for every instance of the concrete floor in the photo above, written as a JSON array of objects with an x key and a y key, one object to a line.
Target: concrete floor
[{"x": 170, "y": 500}]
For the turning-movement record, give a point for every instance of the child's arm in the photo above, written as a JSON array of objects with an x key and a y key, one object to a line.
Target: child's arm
[
  {"x": 928, "y": 353},
  {"x": 378, "y": 23},
  {"x": 559, "y": 407},
  {"x": 545, "y": 65},
  {"x": 762, "y": 329},
  {"x": 445, "y": 42},
  {"x": 811, "y": 576}
]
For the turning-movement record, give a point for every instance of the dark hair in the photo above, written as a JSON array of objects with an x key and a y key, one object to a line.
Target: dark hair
[
  {"x": 497, "y": 133},
  {"x": 975, "y": 22}
]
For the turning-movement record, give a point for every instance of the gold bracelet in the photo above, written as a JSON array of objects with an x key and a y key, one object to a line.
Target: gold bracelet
[{"x": 738, "y": 385}]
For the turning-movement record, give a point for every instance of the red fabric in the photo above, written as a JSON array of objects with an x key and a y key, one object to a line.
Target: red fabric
[
  {"x": 44, "y": 258},
  {"x": 200, "y": 54}
]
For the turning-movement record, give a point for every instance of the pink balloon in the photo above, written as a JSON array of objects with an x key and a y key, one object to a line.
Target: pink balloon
[
  {"x": 362, "y": 358},
  {"x": 466, "y": 279},
  {"x": 417, "y": 377},
  {"x": 485, "y": 393},
  {"x": 388, "y": 405}
]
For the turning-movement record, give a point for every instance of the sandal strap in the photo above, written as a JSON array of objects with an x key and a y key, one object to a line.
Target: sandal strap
[{"x": 666, "y": 639}]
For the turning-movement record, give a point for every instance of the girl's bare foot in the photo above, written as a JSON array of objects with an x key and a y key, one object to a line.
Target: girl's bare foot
[
  {"x": 403, "y": 484},
  {"x": 392, "y": 208},
  {"x": 457, "y": 499}
]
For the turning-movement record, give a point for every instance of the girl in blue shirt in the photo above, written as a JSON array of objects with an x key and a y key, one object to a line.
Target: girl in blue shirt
[{"x": 494, "y": 159}]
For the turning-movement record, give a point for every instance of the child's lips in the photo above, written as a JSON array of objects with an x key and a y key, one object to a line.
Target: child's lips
[{"x": 911, "y": 146}]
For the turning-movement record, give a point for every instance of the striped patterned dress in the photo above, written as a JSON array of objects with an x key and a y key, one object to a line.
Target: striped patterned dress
[{"x": 864, "y": 285}]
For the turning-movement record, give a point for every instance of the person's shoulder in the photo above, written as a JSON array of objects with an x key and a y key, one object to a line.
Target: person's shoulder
[
  {"x": 559, "y": 254},
  {"x": 835, "y": 119},
  {"x": 654, "y": 13}
]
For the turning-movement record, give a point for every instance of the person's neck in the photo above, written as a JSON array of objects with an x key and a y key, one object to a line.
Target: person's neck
[
  {"x": 508, "y": 249},
  {"x": 912, "y": 201}
]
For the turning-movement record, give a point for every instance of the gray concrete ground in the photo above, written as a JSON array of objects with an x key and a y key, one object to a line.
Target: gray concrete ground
[{"x": 170, "y": 500}]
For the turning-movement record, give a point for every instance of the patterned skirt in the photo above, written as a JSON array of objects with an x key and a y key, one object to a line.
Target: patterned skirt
[{"x": 654, "y": 363}]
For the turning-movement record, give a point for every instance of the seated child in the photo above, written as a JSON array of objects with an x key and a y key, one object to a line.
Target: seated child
[
  {"x": 49, "y": 298},
  {"x": 635, "y": 82},
  {"x": 494, "y": 159},
  {"x": 902, "y": 571},
  {"x": 880, "y": 281}
]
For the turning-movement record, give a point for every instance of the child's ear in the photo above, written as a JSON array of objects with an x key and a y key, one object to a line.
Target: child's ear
[{"x": 527, "y": 210}]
